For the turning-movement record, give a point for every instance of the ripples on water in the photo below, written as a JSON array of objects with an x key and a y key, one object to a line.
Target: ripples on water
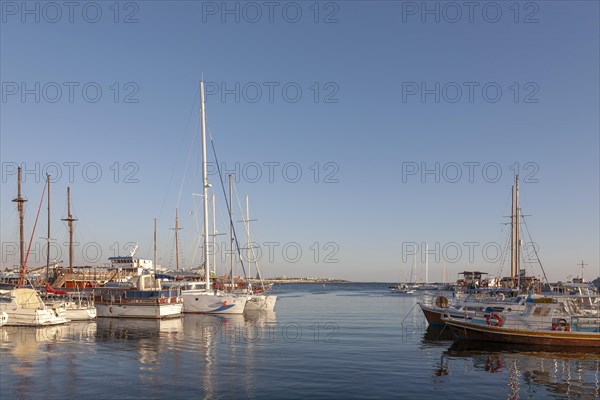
[{"x": 338, "y": 341}]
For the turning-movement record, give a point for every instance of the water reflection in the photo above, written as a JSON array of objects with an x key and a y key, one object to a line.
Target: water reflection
[
  {"x": 566, "y": 373},
  {"x": 228, "y": 347},
  {"x": 24, "y": 349}
]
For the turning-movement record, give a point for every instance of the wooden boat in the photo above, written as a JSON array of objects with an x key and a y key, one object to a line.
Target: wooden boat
[
  {"x": 493, "y": 301},
  {"x": 542, "y": 323}
]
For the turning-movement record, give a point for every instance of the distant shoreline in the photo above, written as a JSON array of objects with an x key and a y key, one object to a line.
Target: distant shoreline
[{"x": 302, "y": 280}]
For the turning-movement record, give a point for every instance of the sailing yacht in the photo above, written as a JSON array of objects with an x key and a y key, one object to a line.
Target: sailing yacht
[{"x": 209, "y": 300}]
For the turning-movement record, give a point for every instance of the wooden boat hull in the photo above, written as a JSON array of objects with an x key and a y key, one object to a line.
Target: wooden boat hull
[
  {"x": 433, "y": 314},
  {"x": 471, "y": 331},
  {"x": 81, "y": 313}
]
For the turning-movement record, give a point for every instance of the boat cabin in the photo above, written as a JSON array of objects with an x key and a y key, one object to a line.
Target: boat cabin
[{"x": 133, "y": 265}]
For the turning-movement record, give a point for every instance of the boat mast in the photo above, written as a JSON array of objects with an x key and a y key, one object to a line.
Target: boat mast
[
  {"x": 231, "y": 230},
  {"x": 205, "y": 187},
  {"x": 248, "y": 237},
  {"x": 154, "y": 259},
  {"x": 48, "y": 238},
  {"x": 414, "y": 265},
  {"x": 426, "y": 263},
  {"x": 20, "y": 200},
  {"x": 512, "y": 236},
  {"x": 250, "y": 250},
  {"x": 517, "y": 243},
  {"x": 214, "y": 230},
  {"x": 70, "y": 221},
  {"x": 176, "y": 241}
]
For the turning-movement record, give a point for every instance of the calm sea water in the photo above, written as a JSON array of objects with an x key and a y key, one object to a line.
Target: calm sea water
[{"x": 333, "y": 341}]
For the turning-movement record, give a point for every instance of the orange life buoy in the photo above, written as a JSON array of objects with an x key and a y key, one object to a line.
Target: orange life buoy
[{"x": 494, "y": 319}]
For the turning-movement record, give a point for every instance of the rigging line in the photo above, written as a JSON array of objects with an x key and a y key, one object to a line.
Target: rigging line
[
  {"x": 187, "y": 167},
  {"x": 237, "y": 245},
  {"x": 181, "y": 139},
  {"x": 505, "y": 253},
  {"x": 535, "y": 250},
  {"x": 24, "y": 266},
  {"x": 409, "y": 312},
  {"x": 196, "y": 242}
]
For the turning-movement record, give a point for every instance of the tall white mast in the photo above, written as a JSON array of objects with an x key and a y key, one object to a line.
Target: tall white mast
[
  {"x": 231, "y": 238},
  {"x": 205, "y": 187},
  {"x": 249, "y": 250},
  {"x": 214, "y": 235},
  {"x": 517, "y": 239}
]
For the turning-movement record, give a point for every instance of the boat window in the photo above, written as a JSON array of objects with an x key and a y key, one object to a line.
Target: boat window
[
  {"x": 541, "y": 311},
  {"x": 4, "y": 299}
]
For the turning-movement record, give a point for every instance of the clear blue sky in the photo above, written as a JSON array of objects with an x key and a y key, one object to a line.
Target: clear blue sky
[{"x": 388, "y": 89}]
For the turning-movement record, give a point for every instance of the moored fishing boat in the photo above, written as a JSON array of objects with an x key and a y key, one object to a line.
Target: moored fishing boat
[{"x": 542, "y": 323}]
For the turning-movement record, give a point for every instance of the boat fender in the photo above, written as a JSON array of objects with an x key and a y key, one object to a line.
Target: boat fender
[
  {"x": 494, "y": 319},
  {"x": 562, "y": 325},
  {"x": 441, "y": 301},
  {"x": 501, "y": 297}
]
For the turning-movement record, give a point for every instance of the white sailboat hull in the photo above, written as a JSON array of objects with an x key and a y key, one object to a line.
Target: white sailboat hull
[
  {"x": 261, "y": 302},
  {"x": 34, "y": 317},
  {"x": 202, "y": 302},
  {"x": 3, "y": 318},
  {"x": 24, "y": 307},
  {"x": 132, "y": 310},
  {"x": 81, "y": 313}
]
